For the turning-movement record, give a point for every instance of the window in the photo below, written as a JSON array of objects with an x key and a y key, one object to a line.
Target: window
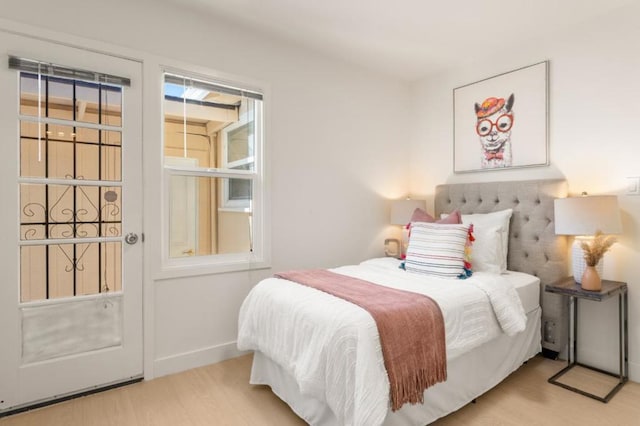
[{"x": 214, "y": 175}]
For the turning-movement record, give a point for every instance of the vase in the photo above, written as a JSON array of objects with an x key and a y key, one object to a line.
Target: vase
[
  {"x": 591, "y": 280},
  {"x": 578, "y": 262}
]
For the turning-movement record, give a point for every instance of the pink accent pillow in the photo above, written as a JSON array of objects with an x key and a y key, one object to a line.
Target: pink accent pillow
[{"x": 420, "y": 215}]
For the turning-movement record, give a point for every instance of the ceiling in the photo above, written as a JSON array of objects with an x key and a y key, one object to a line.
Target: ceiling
[{"x": 408, "y": 39}]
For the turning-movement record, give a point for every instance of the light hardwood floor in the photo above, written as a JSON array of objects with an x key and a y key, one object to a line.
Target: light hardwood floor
[{"x": 220, "y": 394}]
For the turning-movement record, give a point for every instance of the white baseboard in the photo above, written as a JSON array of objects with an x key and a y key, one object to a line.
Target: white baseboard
[{"x": 198, "y": 358}]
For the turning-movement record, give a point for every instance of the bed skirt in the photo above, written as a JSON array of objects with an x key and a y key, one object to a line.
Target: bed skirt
[{"x": 469, "y": 376}]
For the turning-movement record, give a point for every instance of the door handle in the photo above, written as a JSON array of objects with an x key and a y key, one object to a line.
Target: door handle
[{"x": 131, "y": 238}]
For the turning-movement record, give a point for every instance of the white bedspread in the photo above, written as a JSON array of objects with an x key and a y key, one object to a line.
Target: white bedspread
[{"x": 331, "y": 347}]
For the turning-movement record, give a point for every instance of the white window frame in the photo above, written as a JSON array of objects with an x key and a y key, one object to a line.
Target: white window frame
[{"x": 259, "y": 256}]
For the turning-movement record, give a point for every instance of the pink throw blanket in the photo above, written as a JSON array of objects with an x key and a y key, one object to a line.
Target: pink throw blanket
[{"x": 410, "y": 326}]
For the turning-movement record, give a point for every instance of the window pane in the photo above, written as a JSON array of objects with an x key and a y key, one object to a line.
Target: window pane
[
  {"x": 239, "y": 189},
  {"x": 196, "y": 227},
  {"x": 240, "y": 146}
]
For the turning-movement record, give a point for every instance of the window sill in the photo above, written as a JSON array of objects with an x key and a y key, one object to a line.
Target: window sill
[{"x": 193, "y": 266}]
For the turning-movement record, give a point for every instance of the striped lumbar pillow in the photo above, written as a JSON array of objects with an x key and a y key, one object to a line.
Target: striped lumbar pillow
[{"x": 437, "y": 249}]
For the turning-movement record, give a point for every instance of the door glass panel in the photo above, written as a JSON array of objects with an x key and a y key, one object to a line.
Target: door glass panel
[
  {"x": 51, "y": 271},
  {"x": 30, "y": 86},
  {"x": 69, "y": 211},
  {"x": 110, "y": 163},
  {"x": 33, "y": 273},
  {"x": 87, "y": 102},
  {"x": 60, "y": 98},
  {"x": 52, "y": 149},
  {"x": 87, "y": 158},
  {"x": 33, "y": 208},
  {"x": 69, "y": 152},
  {"x": 60, "y": 160},
  {"x": 33, "y": 155},
  {"x": 111, "y": 106},
  {"x": 111, "y": 138}
]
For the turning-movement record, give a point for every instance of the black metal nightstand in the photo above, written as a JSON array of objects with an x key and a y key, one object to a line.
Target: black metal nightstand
[{"x": 568, "y": 287}]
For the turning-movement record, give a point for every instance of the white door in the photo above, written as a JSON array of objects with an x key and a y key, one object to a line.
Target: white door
[{"x": 71, "y": 191}]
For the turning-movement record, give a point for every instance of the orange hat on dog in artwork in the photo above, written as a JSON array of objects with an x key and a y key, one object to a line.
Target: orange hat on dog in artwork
[{"x": 489, "y": 106}]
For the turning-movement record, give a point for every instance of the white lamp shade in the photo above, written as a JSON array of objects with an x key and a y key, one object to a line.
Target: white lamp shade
[
  {"x": 401, "y": 210},
  {"x": 586, "y": 215}
]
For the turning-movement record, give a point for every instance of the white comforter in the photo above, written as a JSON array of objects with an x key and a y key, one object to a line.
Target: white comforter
[{"x": 332, "y": 349}]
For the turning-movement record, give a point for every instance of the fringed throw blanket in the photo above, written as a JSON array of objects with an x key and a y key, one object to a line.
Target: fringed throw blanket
[{"x": 410, "y": 326}]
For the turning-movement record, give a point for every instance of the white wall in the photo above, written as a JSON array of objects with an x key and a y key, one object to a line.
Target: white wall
[
  {"x": 335, "y": 135},
  {"x": 594, "y": 110}
]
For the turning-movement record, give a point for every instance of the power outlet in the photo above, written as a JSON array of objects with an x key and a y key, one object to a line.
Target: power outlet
[{"x": 633, "y": 185}]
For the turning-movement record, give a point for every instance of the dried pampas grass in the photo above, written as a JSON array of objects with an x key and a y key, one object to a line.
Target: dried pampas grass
[{"x": 595, "y": 249}]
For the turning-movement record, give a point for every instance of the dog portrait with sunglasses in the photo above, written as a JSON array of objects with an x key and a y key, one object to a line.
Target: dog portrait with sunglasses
[{"x": 493, "y": 126}]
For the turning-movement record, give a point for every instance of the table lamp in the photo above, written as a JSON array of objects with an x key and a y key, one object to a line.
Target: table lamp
[
  {"x": 581, "y": 217},
  {"x": 401, "y": 212}
]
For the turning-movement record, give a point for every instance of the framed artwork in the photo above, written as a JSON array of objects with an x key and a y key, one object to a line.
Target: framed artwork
[{"x": 501, "y": 122}]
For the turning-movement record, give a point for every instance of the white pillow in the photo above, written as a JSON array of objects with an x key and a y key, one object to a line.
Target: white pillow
[
  {"x": 488, "y": 251},
  {"x": 485, "y": 227},
  {"x": 437, "y": 249}
]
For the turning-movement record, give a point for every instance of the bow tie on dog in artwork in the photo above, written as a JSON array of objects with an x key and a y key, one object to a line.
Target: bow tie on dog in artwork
[{"x": 492, "y": 155}]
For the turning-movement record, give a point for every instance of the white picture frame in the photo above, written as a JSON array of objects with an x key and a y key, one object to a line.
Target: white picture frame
[{"x": 501, "y": 122}]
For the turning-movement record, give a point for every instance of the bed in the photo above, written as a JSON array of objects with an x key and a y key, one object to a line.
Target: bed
[{"x": 333, "y": 374}]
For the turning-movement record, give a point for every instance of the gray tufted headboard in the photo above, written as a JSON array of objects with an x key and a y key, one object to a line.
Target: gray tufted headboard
[{"x": 533, "y": 246}]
